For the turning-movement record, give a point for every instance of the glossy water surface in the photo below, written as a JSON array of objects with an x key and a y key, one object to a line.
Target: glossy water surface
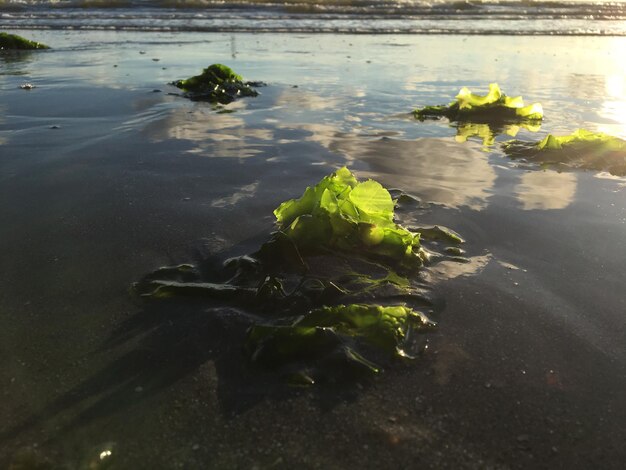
[{"x": 105, "y": 176}]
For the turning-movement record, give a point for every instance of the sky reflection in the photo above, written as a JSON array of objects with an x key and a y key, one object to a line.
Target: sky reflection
[
  {"x": 437, "y": 170},
  {"x": 212, "y": 133},
  {"x": 614, "y": 106},
  {"x": 546, "y": 190}
]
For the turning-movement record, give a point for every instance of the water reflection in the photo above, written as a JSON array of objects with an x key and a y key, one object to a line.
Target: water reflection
[
  {"x": 15, "y": 62},
  {"x": 212, "y": 133},
  {"x": 298, "y": 99},
  {"x": 545, "y": 190},
  {"x": 241, "y": 193},
  {"x": 446, "y": 270},
  {"x": 487, "y": 133},
  {"x": 603, "y": 99},
  {"x": 436, "y": 170},
  {"x": 614, "y": 106},
  {"x": 325, "y": 135},
  {"x": 3, "y": 112}
]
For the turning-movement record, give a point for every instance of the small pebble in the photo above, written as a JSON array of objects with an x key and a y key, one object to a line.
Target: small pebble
[
  {"x": 139, "y": 389},
  {"x": 27, "y": 86}
]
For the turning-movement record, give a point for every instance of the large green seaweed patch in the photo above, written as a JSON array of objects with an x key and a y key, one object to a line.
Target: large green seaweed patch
[
  {"x": 582, "y": 149},
  {"x": 334, "y": 293},
  {"x": 495, "y": 106},
  {"x": 217, "y": 84},
  {"x": 15, "y": 42}
]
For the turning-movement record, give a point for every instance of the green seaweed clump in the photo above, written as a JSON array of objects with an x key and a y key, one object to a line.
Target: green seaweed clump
[
  {"x": 333, "y": 295},
  {"x": 495, "y": 106},
  {"x": 341, "y": 213},
  {"x": 218, "y": 84},
  {"x": 15, "y": 42},
  {"x": 582, "y": 149}
]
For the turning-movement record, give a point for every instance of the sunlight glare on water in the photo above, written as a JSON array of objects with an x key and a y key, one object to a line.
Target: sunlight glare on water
[{"x": 614, "y": 107}]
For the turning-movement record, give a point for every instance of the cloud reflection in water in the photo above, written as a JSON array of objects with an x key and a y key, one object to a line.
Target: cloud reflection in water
[
  {"x": 302, "y": 100},
  {"x": 546, "y": 190},
  {"x": 213, "y": 134},
  {"x": 437, "y": 170}
]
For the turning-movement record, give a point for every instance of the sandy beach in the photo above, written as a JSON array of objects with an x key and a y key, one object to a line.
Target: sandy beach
[{"x": 107, "y": 174}]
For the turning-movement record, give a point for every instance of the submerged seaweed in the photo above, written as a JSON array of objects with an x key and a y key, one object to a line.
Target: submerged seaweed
[
  {"x": 582, "y": 149},
  {"x": 329, "y": 332},
  {"x": 334, "y": 293},
  {"x": 217, "y": 84},
  {"x": 494, "y": 107},
  {"x": 15, "y": 42}
]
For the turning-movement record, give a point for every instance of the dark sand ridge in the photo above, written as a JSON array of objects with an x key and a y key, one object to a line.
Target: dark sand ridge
[{"x": 527, "y": 368}]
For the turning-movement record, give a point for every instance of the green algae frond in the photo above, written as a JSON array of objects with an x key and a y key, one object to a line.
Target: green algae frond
[
  {"x": 15, "y": 42},
  {"x": 218, "y": 84},
  {"x": 494, "y": 106},
  {"x": 341, "y": 213},
  {"x": 333, "y": 295},
  {"x": 581, "y": 149}
]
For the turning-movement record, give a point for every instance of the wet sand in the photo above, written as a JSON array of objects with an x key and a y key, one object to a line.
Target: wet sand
[{"x": 103, "y": 179}]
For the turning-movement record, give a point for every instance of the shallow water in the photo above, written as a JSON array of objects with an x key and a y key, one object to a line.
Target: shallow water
[{"x": 103, "y": 179}]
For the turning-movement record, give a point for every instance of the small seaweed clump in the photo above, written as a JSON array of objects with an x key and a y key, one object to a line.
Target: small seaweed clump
[
  {"x": 218, "y": 84},
  {"x": 15, "y": 42},
  {"x": 582, "y": 149},
  {"x": 495, "y": 106},
  {"x": 334, "y": 292}
]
